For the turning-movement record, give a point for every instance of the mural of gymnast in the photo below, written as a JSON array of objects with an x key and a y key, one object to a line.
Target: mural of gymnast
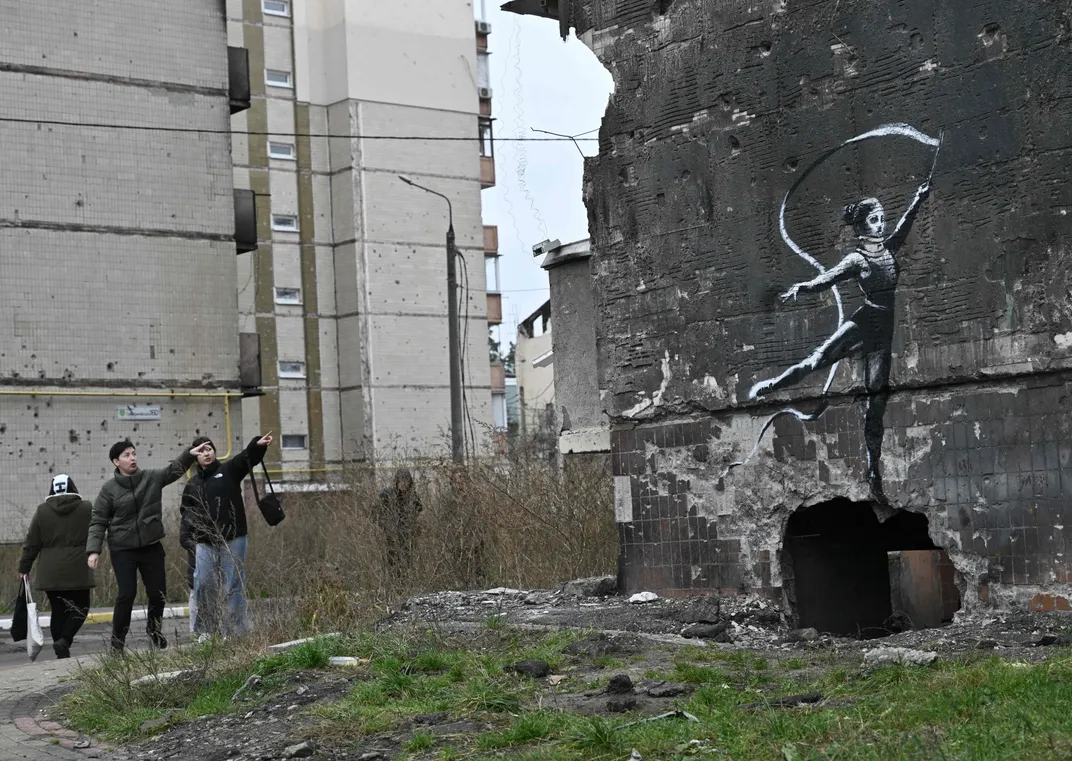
[{"x": 868, "y": 332}]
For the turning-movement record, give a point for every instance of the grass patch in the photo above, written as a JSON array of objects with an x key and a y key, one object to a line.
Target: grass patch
[
  {"x": 690, "y": 673},
  {"x": 980, "y": 708},
  {"x": 608, "y": 662},
  {"x": 526, "y": 729},
  {"x": 420, "y": 742}
]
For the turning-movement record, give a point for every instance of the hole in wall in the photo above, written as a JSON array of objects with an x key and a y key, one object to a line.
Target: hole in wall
[{"x": 848, "y": 574}]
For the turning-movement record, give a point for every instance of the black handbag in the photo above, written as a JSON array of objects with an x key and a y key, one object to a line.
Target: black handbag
[
  {"x": 270, "y": 505},
  {"x": 20, "y": 621}
]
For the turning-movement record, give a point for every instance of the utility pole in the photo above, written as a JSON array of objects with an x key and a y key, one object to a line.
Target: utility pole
[{"x": 457, "y": 426}]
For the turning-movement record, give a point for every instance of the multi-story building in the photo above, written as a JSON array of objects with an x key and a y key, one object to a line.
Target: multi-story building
[
  {"x": 117, "y": 251},
  {"x": 345, "y": 299}
]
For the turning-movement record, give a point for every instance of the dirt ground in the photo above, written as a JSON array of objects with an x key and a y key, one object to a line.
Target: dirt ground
[{"x": 639, "y": 641}]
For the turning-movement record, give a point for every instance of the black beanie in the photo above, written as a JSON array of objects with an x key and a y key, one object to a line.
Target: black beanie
[
  {"x": 62, "y": 484},
  {"x": 203, "y": 440},
  {"x": 118, "y": 448}
]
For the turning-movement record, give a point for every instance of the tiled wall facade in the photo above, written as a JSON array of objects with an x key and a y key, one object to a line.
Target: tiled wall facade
[
  {"x": 115, "y": 242},
  {"x": 987, "y": 464}
]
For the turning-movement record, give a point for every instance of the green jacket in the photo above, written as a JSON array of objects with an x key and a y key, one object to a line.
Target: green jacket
[
  {"x": 130, "y": 510},
  {"x": 57, "y": 540}
]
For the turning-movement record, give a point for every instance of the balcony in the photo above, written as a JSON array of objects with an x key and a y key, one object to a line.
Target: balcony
[
  {"x": 498, "y": 378},
  {"x": 487, "y": 172},
  {"x": 238, "y": 79},
  {"x": 495, "y": 309},
  {"x": 491, "y": 240}
]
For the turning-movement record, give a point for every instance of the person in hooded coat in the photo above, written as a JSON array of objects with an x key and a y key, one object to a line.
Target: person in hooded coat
[
  {"x": 57, "y": 541},
  {"x": 399, "y": 507}
]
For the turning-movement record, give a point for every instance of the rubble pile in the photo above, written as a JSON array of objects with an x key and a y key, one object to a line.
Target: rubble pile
[{"x": 739, "y": 621}]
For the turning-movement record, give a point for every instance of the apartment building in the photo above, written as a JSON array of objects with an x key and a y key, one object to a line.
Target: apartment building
[
  {"x": 345, "y": 299},
  {"x": 117, "y": 251}
]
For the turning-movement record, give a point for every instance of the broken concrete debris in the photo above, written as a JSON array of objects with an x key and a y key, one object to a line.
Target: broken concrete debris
[
  {"x": 301, "y": 750},
  {"x": 536, "y": 669},
  {"x": 596, "y": 586},
  {"x": 716, "y": 632},
  {"x": 704, "y": 610},
  {"x": 884, "y": 656},
  {"x": 643, "y": 597},
  {"x": 166, "y": 676},
  {"x": 665, "y": 690},
  {"x": 294, "y": 643}
]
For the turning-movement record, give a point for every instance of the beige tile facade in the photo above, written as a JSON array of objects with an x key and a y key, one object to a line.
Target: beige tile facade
[
  {"x": 369, "y": 256},
  {"x": 116, "y": 250}
]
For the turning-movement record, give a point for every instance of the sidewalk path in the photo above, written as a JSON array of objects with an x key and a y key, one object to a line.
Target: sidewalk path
[
  {"x": 27, "y": 689},
  {"x": 25, "y": 732},
  {"x": 104, "y": 615}
]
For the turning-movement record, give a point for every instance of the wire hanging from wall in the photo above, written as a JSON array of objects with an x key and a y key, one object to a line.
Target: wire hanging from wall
[
  {"x": 521, "y": 153},
  {"x": 506, "y": 186},
  {"x": 470, "y": 430}
]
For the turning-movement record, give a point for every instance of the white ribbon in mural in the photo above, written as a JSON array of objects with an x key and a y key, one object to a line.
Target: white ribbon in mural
[{"x": 885, "y": 130}]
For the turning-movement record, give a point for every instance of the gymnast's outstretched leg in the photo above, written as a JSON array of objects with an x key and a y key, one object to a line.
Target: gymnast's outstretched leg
[{"x": 840, "y": 345}]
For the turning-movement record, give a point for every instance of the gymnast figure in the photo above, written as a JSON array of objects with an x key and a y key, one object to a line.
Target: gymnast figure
[{"x": 868, "y": 333}]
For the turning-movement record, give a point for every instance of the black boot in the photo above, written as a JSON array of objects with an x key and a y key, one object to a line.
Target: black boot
[{"x": 62, "y": 648}]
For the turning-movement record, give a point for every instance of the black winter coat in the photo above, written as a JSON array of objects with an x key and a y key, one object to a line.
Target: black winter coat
[{"x": 212, "y": 500}]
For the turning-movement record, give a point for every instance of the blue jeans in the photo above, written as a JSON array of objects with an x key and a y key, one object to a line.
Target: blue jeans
[{"x": 220, "y": 587}]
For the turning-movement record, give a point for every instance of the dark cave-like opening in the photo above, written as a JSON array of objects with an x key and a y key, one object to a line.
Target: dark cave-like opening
[{"x": 853, "y": 575}]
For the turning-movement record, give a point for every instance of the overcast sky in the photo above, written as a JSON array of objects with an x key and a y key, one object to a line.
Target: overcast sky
[{"x": 538, "y": 81}]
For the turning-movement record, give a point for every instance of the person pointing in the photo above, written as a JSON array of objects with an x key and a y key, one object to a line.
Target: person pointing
[{"x": 129, "y": 510}]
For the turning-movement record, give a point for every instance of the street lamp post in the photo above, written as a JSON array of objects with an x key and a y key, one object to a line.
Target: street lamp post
[{"x": 454, "y": 350}]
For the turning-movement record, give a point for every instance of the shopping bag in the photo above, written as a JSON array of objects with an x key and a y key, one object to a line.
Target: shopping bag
[
  {"x": 35, "y": 638},
  {"x": 18, "y": 619}
]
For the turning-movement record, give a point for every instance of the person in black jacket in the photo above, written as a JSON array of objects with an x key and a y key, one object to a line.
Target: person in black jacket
[{"x": 212, "y": 504}]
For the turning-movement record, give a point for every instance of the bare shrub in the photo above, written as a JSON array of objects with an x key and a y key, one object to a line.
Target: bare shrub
[{"x": 517, "y": 521}]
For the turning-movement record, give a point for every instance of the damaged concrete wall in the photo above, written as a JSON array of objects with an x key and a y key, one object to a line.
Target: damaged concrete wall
[
  {"x": 847, "y": 308},
  {"x": 116, "y": 244}
]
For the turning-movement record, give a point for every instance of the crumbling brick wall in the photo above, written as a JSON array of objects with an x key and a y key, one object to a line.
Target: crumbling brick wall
[{"x": 724, "y": 168}]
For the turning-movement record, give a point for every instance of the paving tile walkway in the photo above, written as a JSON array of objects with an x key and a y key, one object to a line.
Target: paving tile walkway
[{"x": 26, "y": 734}]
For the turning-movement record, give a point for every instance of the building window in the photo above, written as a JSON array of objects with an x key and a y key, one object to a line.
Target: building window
[
  {"x": 288, "y": 296},
  {"x": 276, "y": 78},
  {"x": 294, "y": 441},
  {"x": 281, "y": 150},
  {"x": 487, "y": 148},
  {"x": 291, "y": 369},
  {"x": 276, "y": 8},
  {"x": 285, "y": 223}
]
